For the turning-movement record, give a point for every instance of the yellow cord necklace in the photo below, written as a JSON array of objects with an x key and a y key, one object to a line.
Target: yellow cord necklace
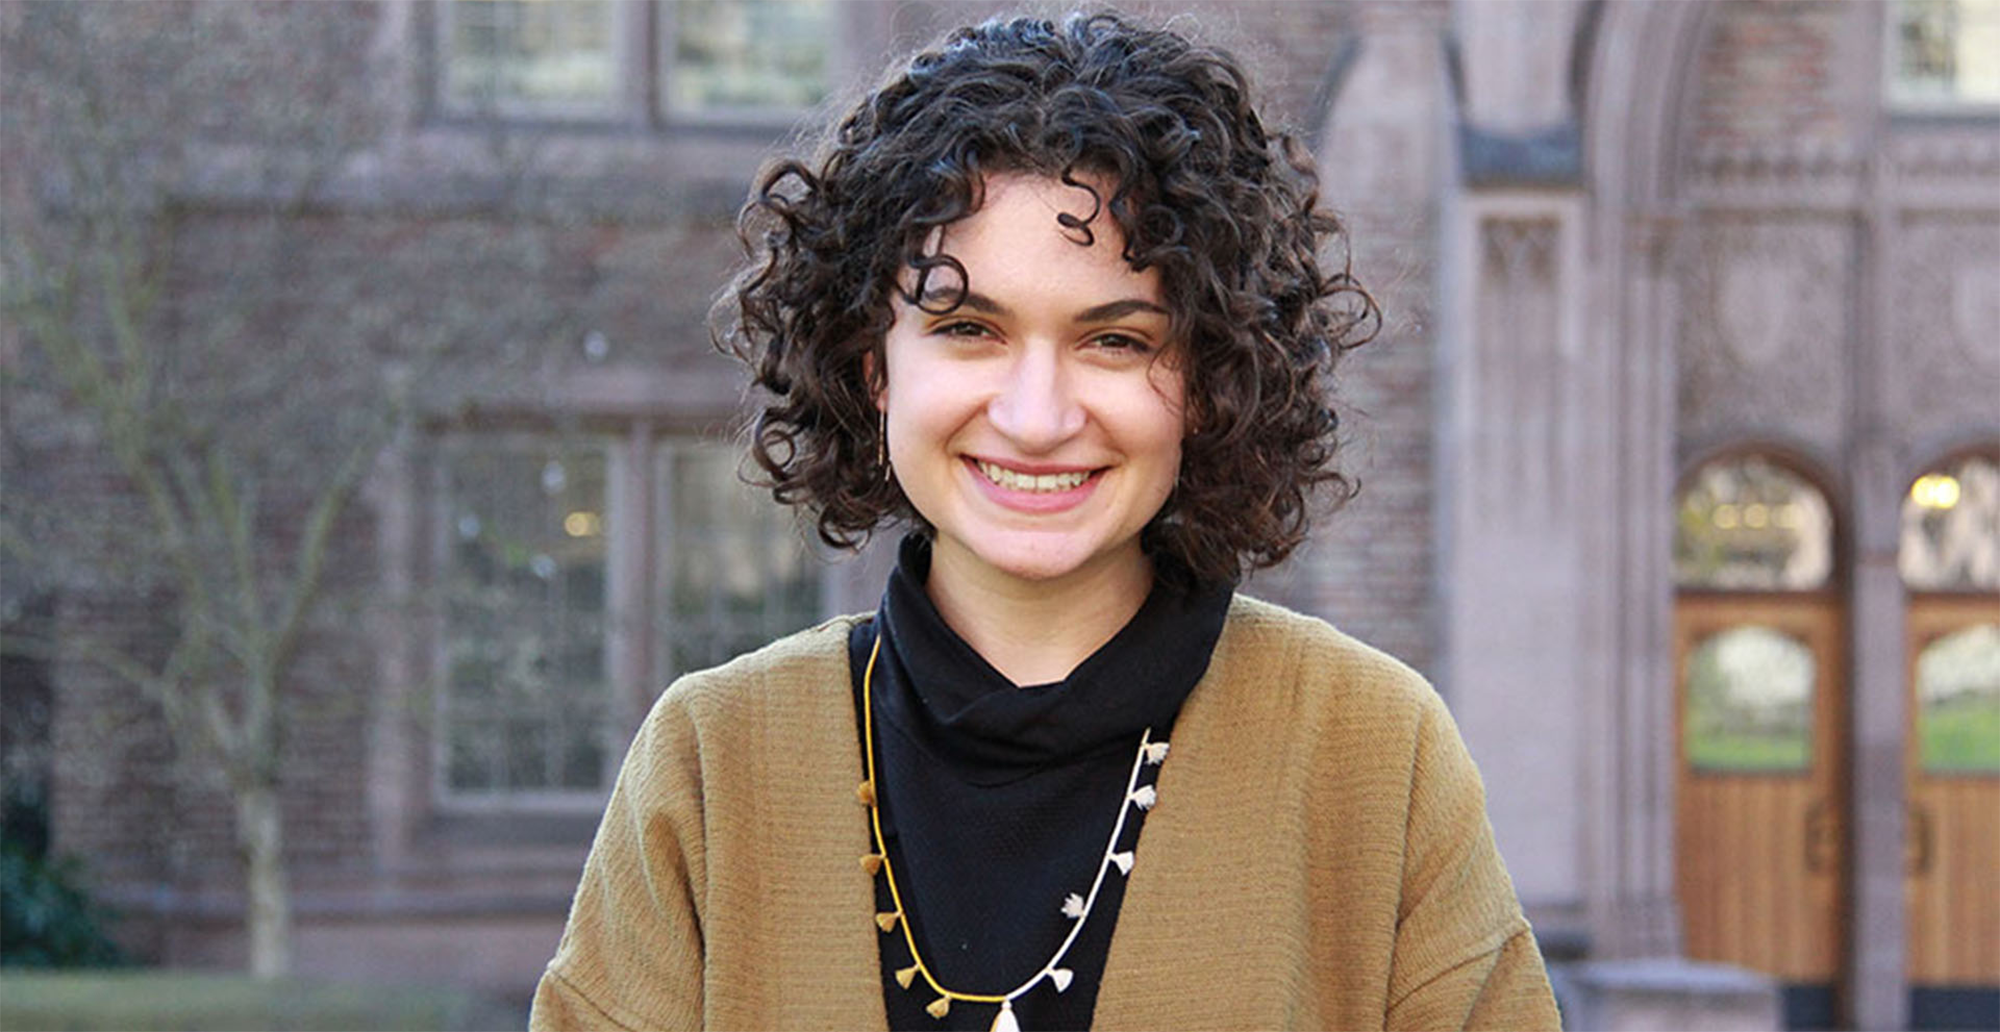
[{"x": 1076, "y": 907}]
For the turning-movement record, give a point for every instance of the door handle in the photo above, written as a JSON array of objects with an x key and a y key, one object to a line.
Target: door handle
[
  {"x": 1819, "y": 827},
  {"x": 1921, "y": 833}
]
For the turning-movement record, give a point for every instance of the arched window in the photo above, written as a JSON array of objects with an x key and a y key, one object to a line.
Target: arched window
[
  {"x": 1950, "y": 560},
  {"x": 1958, "y": 701},
  {"x": 1748, "y": 703},
  {"x": 1951, "y": 528},
  {"x": 1748, "y": 524},
  {"x": 1760, "y": 804}
]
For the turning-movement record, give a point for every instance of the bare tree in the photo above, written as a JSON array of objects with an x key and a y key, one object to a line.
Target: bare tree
[{"x": 208, "y": 348}]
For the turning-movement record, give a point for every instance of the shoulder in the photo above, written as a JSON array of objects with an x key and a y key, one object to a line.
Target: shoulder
[
  {"x": 724, "y": 733},
  {"x": 1281, "y": 675},
  {"x": 797, "y": 682},
  {"x": 1312, "y": 663},
  {"x": 1305, "y": 679},
  {"x": 798, "y": 662}
]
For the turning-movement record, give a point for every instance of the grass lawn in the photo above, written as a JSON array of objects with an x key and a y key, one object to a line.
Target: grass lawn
[
  {"x": 1725, "y": 752},
  {"x": 1961, "y": 736},
  {"x": 154, "y": 999}
]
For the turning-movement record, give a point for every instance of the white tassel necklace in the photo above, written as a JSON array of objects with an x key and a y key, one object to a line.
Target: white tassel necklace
[{"x": 1075, "y": 906}]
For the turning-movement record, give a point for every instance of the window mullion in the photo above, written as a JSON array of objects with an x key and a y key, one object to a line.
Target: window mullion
[
  {"x": 630, "y": 534},
  {"x": 636, "y": 21}
]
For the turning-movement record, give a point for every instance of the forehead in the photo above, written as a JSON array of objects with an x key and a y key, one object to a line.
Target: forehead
[{"x": 1037, "y": 237}]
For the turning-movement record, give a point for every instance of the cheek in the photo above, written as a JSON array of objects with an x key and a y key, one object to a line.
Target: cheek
[
  {"x": 1149, "y": 429},
  {"x": 1166, "y": 415},
  {"x": 923, "y": 403}
]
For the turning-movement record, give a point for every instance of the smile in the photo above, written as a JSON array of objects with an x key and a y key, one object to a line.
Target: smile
[{"x": 1039, "y": 483}]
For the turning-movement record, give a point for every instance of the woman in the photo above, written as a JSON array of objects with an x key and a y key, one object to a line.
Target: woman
[{"x": 1051, "y": 297}]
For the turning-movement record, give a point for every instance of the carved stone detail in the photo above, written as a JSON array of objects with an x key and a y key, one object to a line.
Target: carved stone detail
[
  {"x": 1755, "y": 298},
  {"x": 1791, "y": 174},
  {"x": 1781, "y": 159},
  {"x": 1941, "y": 336},
  {"x": 1764, "y": 333},
  {"x": 1522, "y": 378},
  {"x": 1972, "y": 150},
  {"x": 1975, "y": 312}
]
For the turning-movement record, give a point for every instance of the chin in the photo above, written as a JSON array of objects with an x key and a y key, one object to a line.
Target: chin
[{"x": 1042, "y": 561}]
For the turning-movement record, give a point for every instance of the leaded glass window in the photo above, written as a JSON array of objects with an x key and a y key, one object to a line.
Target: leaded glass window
[
  {"x": 525, "y": 690},
  {"x": 709, "y": 59},
  {"x": 1944, "y": 53},
  {"x": 530, "y": 56},
  {"x": 1747, "y": 523},
  {"x": 738, "y": 55},
  {"x": 1748, "y": 702},
  {"x": 1958, "y": 702},
  {"x": 534, "y": 534},
  {"x": 736, "y": 576},
  {"x": 1951, "y": 528}
]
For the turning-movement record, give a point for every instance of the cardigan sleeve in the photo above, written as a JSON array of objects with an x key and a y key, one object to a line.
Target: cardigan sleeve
[
  {"x": 631, "y": 954},
  {"x": 1464, "y": 954}
]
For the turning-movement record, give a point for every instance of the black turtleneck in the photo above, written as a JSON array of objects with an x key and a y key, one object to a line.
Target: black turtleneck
[{"x": 997, "y": 801}]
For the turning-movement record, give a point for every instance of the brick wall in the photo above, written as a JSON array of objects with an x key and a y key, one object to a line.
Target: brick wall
[
  {"x": 423, "y": 252},
  {"x": 1773, "y": 71},
  {"x": 1372, "y": 564}
]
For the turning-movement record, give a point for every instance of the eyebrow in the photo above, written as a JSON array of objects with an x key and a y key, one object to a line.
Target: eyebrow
[{"x": 1096, "y": 313}]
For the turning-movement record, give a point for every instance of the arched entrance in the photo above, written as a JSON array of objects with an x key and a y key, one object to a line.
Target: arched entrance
[
  {"x": 1899, "y": 239},
  {"x": 1760, "y": 730},
  {"x": 1949, "y": 557}
]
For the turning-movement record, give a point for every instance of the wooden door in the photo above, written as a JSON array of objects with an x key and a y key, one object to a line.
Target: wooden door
[
  {"x": 1952, "y": 888},
  {"x": 1762, "y": 805}
]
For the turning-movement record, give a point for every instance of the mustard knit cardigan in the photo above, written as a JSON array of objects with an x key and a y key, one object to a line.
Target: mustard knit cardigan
[{"x": 1319, "y": 857}]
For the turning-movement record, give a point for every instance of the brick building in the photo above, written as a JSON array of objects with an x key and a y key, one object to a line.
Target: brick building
[{"x": 1690, "y": 319}]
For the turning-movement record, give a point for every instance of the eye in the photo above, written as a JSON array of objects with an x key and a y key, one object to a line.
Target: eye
[
  {"x": 1124, "y": 342},
  {"x": 961, "y": 328}
]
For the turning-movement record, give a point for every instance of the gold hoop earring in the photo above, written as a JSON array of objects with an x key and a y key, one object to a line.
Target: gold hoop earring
[{"x": 882, "y": 442}]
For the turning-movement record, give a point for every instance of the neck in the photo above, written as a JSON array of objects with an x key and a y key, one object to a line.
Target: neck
[{"x": 1037, "y": 631}]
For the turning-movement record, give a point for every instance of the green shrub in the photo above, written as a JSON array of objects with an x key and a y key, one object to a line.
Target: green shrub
[
  {"x": 47, "y": 920},
  {"x": 132, "y": 1000}
]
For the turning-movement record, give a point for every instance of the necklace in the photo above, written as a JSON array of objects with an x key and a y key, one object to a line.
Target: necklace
[{"x": 1076, "y": 907}]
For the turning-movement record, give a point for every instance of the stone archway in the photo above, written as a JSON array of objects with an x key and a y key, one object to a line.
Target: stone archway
[
  {"x": 1861, "y": 220},
  {"x": 1555, "y": 435},
  {"x": 1638, "y": 71}
]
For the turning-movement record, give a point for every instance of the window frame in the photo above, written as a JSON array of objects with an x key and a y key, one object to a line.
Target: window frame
[
  {"x": 1919, "y": 761},
  {"x": 637, "y": 524},
  {"x": 1948, "y": 464},
  {"x": 771, "y": 621},
  {"x": 645, "y": 33},
  {"x": 626, "y": 26},
  {"x": 665, "y": 37},
  {"x": 444, "y": 797},
  {"x": 1804, "y": 766},
  {"x": 1789, "y": 462},
  {"x": 1902, "y": 103}
]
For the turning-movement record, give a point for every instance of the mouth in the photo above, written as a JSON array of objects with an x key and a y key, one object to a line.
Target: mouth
[{"x": 1032, "y": 483}]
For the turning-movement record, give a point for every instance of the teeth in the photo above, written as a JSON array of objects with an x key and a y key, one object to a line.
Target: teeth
[{"x": 1013, "y": 481}]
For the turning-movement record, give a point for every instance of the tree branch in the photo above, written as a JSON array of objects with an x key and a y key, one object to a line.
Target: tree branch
[{"x": 317, "y": 539}]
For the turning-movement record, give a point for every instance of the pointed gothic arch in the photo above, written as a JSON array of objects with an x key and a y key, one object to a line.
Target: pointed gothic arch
[{"x": 1641, "y": 59}]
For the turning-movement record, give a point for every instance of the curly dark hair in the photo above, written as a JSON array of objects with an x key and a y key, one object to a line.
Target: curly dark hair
[{"x": 1199, "y": 189}]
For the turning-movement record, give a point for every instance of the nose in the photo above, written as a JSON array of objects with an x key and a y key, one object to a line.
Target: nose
[{"x": 1037, "y": 407}]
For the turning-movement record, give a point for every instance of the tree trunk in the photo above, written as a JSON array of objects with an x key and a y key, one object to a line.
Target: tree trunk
[{"x": 260, "y": 833}]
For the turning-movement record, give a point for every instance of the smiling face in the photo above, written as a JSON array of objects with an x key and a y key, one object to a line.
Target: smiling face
[{"x": 1037, "y": 426}]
